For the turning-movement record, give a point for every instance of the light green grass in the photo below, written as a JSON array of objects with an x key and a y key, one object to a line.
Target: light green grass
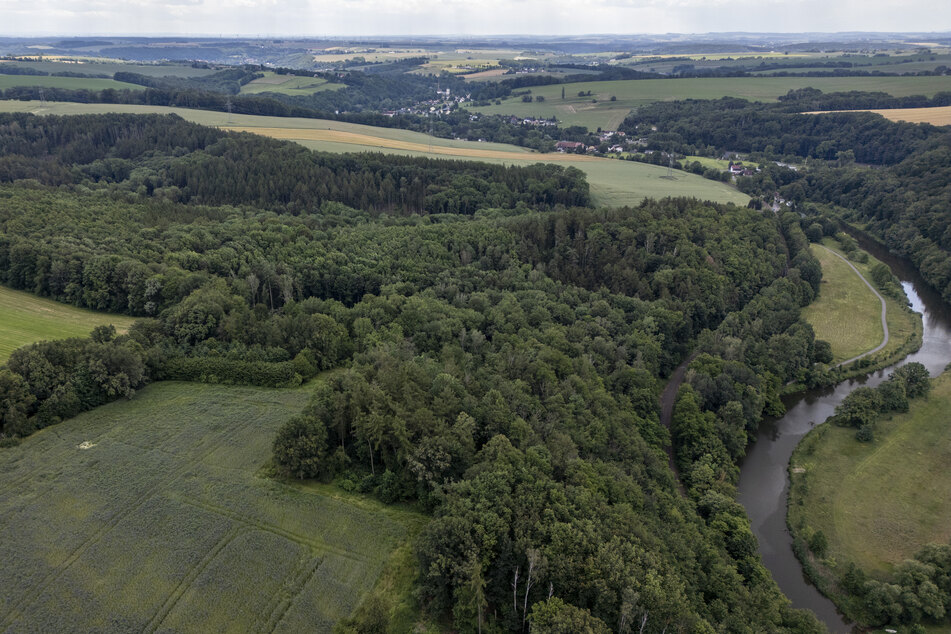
[
  {"x": 706, "y": 161},
  {"x": 164, "y": 522},
  {"x": 288, "y": 85},
  {"x": 878, "y": 503},
  {"x": 69, "y": 83},
  {"x": 613, "y": 182},
  {"x": 846, "y": 313},
  {"x": 26, "y": 318},
  {"x": 110, "y": 67},
  {"x": 606, "y": 114}
]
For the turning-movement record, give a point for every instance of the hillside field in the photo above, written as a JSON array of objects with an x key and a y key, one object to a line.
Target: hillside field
[
  {"x": 613, "y": 182},
  {"x": 26, "y": 318},
  {"x": 110, "y": 67},
  {"x": 608, "y": 115},
  {"x": 288, "y": 85},
  {"x": 848, "y": 315},
  {"x": 152, "y": 514},
  {"x": 878, "y": 503},
  {"x": 69, "y": 83}
]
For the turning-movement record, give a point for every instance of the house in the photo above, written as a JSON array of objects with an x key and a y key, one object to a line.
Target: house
[{"x": 569, "y": 146}]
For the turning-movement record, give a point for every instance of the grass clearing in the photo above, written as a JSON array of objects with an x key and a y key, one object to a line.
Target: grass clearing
[
  {"x": 68, "y": 83},
  {"x": 26, "y": 318},
  {"x": 848, "y": 315},
  {"x": 613, "y": 182},
  {"x": 164, "y": 522},
  {"x": 288, "y": 85},
  {"x": 878, "y": 503},
  {"x": 607, "y": 115}
]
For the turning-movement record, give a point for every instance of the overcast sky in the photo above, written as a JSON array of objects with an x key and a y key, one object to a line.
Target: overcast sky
[{"x": 465, "y": 17}]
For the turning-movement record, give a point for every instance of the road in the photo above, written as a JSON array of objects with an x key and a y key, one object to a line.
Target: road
[{"x": 667, "y": 399}]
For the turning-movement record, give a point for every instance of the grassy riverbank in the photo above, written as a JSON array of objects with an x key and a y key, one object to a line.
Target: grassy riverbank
[
  {"x": 849, "y": 319},
  {"x": 875, "y": 504}
]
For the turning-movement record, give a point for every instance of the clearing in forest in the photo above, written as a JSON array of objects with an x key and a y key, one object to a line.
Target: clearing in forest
[
  {"x": 26, "y": 319},
  {"x": 878, "y": 503},
  {"x": 152, "y": 514},
  {"x": 847, "y": 313}
]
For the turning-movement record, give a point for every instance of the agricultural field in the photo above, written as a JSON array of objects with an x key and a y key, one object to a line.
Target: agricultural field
[
  {"x": 935, "y": 116},
  {"x": 152, "y": 514},
  {"x": 848, "y": 315},
  {"x": 289, "y": 85},
  {"x": 598, "y": 111},
  {"x": 878, "y": 503},
  {"x": 26, "y": 318},
  {"x": 111, "y": 67},
  {"x": 613, "y": 182},
  {"x": 69, "y": 83}
]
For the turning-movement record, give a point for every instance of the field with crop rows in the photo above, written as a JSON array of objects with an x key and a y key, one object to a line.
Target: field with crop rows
[
  {"x": 26, "y": 318},
  {"x": 152, "y": 514}
]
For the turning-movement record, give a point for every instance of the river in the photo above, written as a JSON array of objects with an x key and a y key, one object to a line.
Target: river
[{"x": 764, "y": 483}]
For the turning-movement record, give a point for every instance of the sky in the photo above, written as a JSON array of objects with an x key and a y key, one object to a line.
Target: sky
[{"x": 464, "y": 17}]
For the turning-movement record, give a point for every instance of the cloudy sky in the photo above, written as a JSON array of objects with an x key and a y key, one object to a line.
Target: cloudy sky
[{"x": 465, "y": 17}]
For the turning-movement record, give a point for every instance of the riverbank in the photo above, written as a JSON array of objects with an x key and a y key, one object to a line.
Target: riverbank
[
  {"x": 855, "y": 329},
  {"x": 872, "y": 505},
  {"x": 762, "y": 488}
]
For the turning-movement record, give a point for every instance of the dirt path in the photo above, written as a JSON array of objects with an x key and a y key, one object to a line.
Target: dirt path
[
  {"x": 667, "y": 399},
  {"x": 880, "y": 298}
]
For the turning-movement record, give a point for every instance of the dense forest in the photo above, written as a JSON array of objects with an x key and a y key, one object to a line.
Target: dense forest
[
  {"x": 730, "y": 125},
  {"x": 497, "y": 364}
]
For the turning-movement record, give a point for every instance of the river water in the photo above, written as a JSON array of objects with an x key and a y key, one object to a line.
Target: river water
[{"x": 764, "y": 484}]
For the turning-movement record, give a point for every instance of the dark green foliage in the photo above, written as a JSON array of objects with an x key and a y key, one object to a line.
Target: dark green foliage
[
  {"x": 499, "y": 368},
  {"x": 167, "y": 158},
  {"x": 47, "y": 382}
]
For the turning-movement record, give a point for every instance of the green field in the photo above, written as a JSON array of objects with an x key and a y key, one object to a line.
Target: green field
[
  {"x": 612, "y": 182},
  {"x": 848, "y": 315},
  {"x": 26, "y": 318},
  {"x": 152, "y": 514},
  {"x": 68, "y": 83},
  {"x": 288, "y": 85},
  {"x": 706, "y": 161},
  {"x": 110, "y": 67},
  {"x": 608, "y": 115},
  {"x": 878, "y": 503}
]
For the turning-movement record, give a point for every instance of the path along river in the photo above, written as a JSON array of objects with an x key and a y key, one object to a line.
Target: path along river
[{"x": 764, "y": 483}]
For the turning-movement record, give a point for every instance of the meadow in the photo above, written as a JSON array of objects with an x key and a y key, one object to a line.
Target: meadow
[
  {"x": 288, "y": 85},
  {"x": 848, "y": 315},
  {"x": 26, "y": 318},
  {"x": 878, "y": 503},
  {"x": 613, "y": 182},
  {"x": 598, "y": 111},
  {"x": 110, "y": 67},
  {"x": 68, "y": 83},
  {"x": 154, "y": 514}
]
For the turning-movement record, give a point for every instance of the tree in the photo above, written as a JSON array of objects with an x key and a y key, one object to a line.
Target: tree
[
  {"x": 15, "y": 402},
  {"x": 554, "y": 616},
  {"x": 301, "y": 446}
]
